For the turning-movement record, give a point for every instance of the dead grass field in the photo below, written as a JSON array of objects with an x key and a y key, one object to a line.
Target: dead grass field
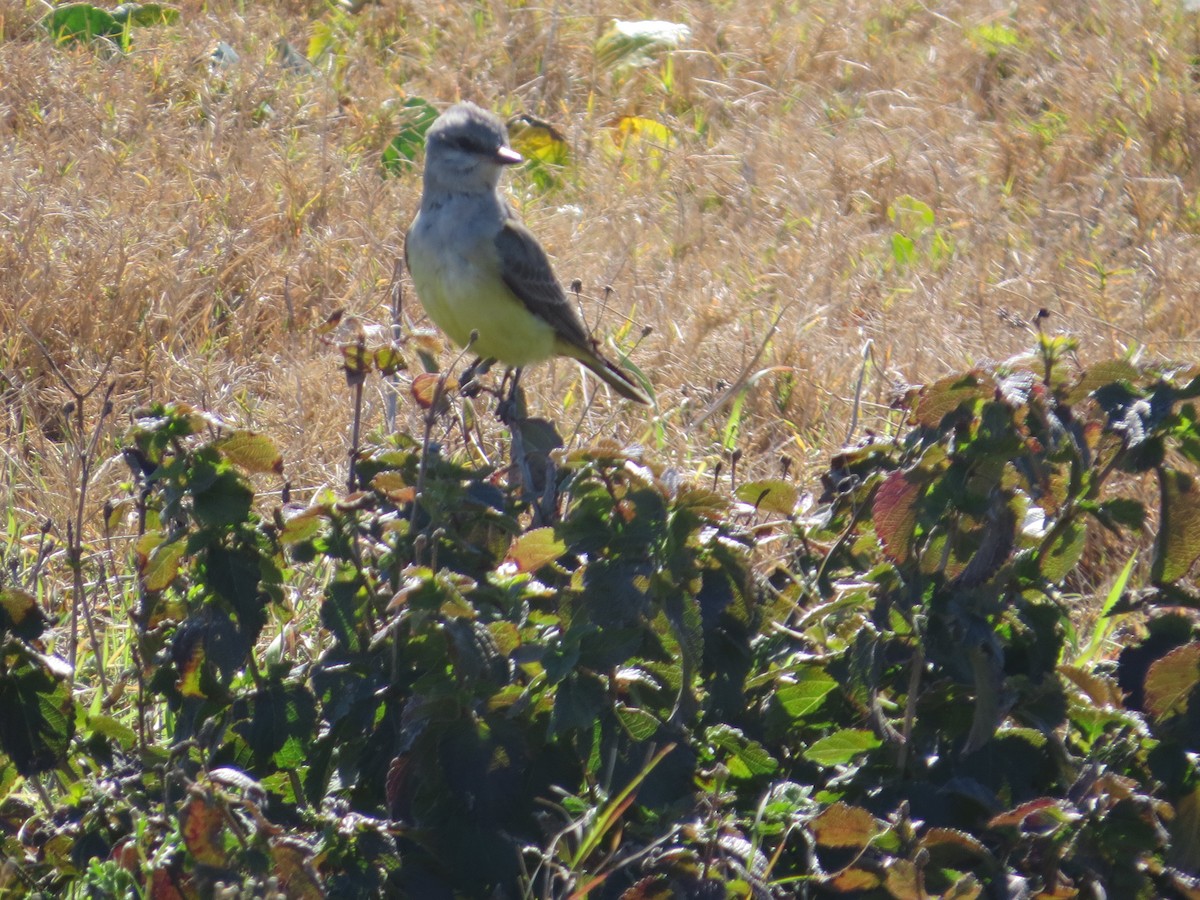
[{"x": 182, "y": 232}]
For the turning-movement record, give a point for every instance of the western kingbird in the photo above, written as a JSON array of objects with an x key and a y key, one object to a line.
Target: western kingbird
[{"x": 478, "y": 269}]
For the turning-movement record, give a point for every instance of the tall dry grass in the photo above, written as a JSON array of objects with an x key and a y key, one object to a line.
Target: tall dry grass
[{"x": 181, "y": 231}]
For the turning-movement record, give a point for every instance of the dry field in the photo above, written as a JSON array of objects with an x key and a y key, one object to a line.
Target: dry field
[{"x": 855, "y": 195}]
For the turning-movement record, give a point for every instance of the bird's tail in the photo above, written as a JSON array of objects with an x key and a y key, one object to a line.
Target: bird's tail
[{"x": 607, "y": 372}]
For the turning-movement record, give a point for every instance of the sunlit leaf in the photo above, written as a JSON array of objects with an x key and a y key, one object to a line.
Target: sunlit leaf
[
  {"x": 640, "y": 724},
  {"x": 638, "y": 43},
  {"x": 943, "y": 397},
  {"x": 841, "y": 747},
  {"x": 425, "y": 389},
  {"x": 806, "y": 695},
  {"x": 536, "y": 548},
  {"x": 535, "y": 138},
  {"x": 20, "y": 614},
  {"x": 80, "y": 22},
  {"x": 389, "y": 360},
  {"x": 162, "y": 564},
  {"x": 1065, "y": 547},
  {"x": 1016, "y": 817},
  {"x": 302, "y": 524},
  {"x": 252, "y": 451}
]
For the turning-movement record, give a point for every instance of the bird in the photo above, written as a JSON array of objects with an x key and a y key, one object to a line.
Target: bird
[{"x": 479, "y": 272}]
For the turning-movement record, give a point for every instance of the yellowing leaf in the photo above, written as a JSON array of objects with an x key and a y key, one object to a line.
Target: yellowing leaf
[
  {"x": 842, "y": 825},
  {"x": 537, "y": 140},
  {"x": 162, "y": 564},
  {"x": 389, "y": 360},
  {"x": 903, "y": 881},
  {"x": 393, "y": 486},
  {"x": 535, "y": 549},
  {"x": 425, "y": 388},
  {"x": 190, "y": 670},
  {"x": 300, "y": 525},
  {"x": 630, "y": 132},
  {"x": 251, "y": 451},
  {"x": 16, "y": 605}
]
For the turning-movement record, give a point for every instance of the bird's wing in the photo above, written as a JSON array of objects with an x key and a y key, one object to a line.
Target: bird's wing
[{"x": 527, "y": 272}]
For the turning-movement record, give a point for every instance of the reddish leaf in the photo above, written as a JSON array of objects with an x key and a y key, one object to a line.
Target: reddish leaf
[
  {"x": 202, "y": 825},
  {"x": 1015, "y": 818},
  {"x": 895, "y": 512},
  {"x": 1170, "y": 680},
  {"x": 425, "y": 388}
]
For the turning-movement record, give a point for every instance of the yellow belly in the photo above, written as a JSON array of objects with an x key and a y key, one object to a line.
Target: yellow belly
[{"x": 462, "y": 294}]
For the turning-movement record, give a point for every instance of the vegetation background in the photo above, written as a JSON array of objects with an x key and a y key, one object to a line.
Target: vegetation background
[
  {"x": 184, "y": 225},
  {"x": 783, "y": 222}
]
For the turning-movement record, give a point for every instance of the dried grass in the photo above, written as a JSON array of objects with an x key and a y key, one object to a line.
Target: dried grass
[{"x": 184, "y": 230}]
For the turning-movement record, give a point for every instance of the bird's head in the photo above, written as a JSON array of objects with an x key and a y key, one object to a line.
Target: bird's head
[{"x": 466, "y": 148}]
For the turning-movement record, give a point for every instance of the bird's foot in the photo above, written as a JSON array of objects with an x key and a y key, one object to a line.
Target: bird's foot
[{"x": 470, "y": 384}]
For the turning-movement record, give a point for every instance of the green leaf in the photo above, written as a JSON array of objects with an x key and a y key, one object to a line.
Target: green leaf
[
  {"x": 1064, "y": 550},
  {"x": 38, "y": 711},
  {"x": 842, "y": 746},
  {"x": 805, "y": 696},
  {"x": 910, "y": 215},
  {"x": 110, "y": 728},
  {"x": 80, "y": 22},
  {"x": 224, "y": 502},
  {"x": 417, "y": 115},
  {"x": 1178, "y": 545},
  {"x": 161, "y": 564},
  {"x": 769, "y": 496},
  {"x": 145, "y": 14},
  {"x": 746, "y": 758},
  {"x": 640, "y": 724},
  {"x": 904, "y": 249}
]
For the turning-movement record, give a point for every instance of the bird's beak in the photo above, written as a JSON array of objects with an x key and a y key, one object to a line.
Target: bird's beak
[{"x": 508, "y": 156}]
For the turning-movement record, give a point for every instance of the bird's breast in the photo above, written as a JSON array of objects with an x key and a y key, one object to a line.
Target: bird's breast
[{"x": 456, "y": 270}]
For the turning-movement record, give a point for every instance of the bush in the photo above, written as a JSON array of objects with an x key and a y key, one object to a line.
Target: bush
[{"x": 660, "y": 689}]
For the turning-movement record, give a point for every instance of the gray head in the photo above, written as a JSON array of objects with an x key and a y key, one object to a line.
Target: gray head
[{"x": 465, "y": 149}]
